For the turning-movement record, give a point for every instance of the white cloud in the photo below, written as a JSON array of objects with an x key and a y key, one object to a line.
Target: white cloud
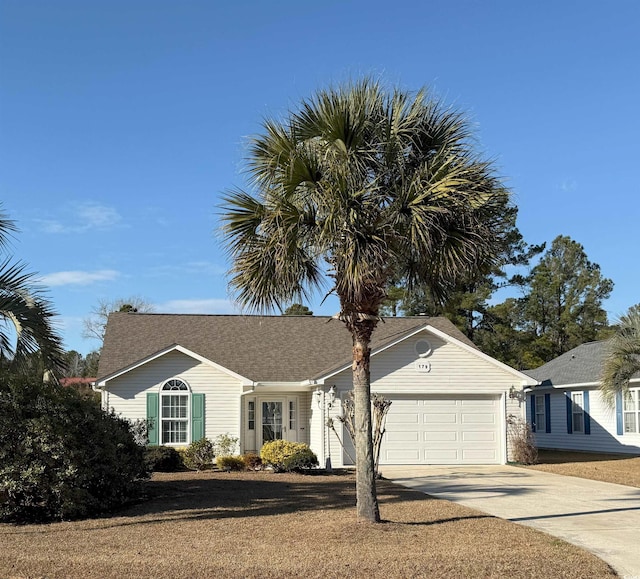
[
  {"x": 88, "y": 216},
  {"x": 206, "y": 306},
  {"x": 79, "y": 277},
  {"x": 568, "y": 185},
  {"x": 98, "y": 216}
]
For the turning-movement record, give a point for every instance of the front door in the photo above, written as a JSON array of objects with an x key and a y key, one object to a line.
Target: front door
[{"x": 272, "y": 420}]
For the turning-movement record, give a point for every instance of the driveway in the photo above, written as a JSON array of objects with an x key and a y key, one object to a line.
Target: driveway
[{"x": 603, "y": 518}]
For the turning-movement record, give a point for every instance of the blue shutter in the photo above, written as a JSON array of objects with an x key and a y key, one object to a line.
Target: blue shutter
[
  {"x": 547, "y": 413},
  {"x": 533, "y": 413},
  {"x": 153, "y": 428},
  {"x": 197, "y": 417},
  {"x": 587, "y": 417},
  {"x": 619, "y": 421},
  {"x": 569, "y": 415}
]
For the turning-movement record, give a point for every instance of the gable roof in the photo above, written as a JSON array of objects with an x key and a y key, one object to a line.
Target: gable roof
[
  {"x": 261, "y": 348},
  {"x": 582, "y": 365}
]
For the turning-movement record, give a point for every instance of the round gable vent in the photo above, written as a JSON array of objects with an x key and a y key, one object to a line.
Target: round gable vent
[{"x": 423, "y": 348}]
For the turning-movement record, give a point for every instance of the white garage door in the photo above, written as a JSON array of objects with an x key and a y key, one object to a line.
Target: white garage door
[{"x": 443, "y": 430}]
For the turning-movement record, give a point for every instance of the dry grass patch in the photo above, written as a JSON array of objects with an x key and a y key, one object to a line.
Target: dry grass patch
[
  {"x": 267, "y": 525},
  {"x": 613, "y": 468}
]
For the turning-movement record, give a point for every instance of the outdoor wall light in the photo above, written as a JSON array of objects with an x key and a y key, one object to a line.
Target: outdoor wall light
[
  {"x": 516, "y": 394},
  {"x": 318, "y": 396},
  {"x": 332, "y": 396}
]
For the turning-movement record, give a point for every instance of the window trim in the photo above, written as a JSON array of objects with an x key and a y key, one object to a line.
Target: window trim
[
  {"x": 634, "y": 393},
  {"x": 251, "y": 414},
  {"x": 539, "y": 406},
  {"x": 577, "y": 410},
  {"x": 166, "y": 393}
]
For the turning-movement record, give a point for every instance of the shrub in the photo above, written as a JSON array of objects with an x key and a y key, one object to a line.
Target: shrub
[
  {"x": 251, "y": 461},
  {"x": 199, "y": 455},
  {"x": 224, "y": 444},
  {"x": 522, "y": 440},
  {"x": 230, "y": 462},
  {"x": 62, "y": 456},
  {"x": 285, "y": 456},
  {"x": 163, "y": 459}
]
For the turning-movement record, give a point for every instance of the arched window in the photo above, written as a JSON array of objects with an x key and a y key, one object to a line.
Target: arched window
[{"x": 174, "y": 412}]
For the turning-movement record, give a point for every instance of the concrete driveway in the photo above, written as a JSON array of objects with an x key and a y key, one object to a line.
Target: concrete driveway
[{"x": 601, "y": 517}]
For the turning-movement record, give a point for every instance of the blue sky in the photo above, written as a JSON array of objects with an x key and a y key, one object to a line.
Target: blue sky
[{"x": 121, "y": 122}]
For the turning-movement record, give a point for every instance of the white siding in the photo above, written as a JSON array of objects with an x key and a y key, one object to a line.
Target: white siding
[
  {"x": 603, "y": 437},
  {"x": 128, "y": 393},
  {"x": 453, "y": 370}
]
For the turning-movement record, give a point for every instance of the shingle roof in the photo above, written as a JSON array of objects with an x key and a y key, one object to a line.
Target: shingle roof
[
  {"x": 261, "y": 348},
  {"x": 582, "y": 365}
]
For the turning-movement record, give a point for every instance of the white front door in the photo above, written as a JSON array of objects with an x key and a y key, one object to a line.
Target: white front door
[
  {"x": 278, "y": 419},
  {"x": 272, "y": 420}
]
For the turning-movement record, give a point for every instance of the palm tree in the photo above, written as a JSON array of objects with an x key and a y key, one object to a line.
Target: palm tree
[
  {"x": 622, "y": 357},
  {"x": 26, "y": 326},
  {"x": 365, "y": 186}
]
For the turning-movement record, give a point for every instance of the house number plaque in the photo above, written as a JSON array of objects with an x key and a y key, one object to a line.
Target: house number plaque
[{"x": 423, "y": 366}]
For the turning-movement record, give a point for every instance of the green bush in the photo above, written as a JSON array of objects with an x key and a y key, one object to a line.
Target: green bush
[
  {"x": 199, "y": 455},
  {"x": 230, "y": 462},
  {"x": 163, "y": 459},
  {"x": 61, "y": 456},
  {"x": 285, "y": 456},
  {"x": 251, "y": 461}
]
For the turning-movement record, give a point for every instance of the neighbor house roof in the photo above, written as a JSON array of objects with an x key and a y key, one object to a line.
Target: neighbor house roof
[
  {"x": 582, "y": 365},
  {"x": 260, "y": 348}
]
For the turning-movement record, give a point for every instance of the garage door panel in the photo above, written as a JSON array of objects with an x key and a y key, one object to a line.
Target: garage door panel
[
  {"x": 440, "y": 436},
  {"x": 406, "y": 436},
  {"x": 479, "y": 436},
  {"x": 403, "y": 418},
  {"x": 479, "y": 455},
  {"x": 441, "y": 456},
  {"x": 443, "y": 430},
  {"x": 478, "y": 418},
  {"x": 440, "y": 418},
  {"x": 406, "y": 456},
  {"x": 478, "y": 402}
]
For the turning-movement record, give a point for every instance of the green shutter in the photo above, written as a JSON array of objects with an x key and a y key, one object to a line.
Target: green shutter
[
  {"x": 197, "y": 417},
  {"x": 152, "y": 418}
]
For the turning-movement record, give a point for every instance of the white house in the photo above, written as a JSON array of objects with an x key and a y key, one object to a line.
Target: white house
[
  {"x": 267, "y": 377},
  {"x": 567, "y": 411}
]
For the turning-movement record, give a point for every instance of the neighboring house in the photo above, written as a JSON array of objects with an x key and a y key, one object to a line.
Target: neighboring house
[
  {"x": 567, "y": 412},
  {"x": 266, "y": 377}
]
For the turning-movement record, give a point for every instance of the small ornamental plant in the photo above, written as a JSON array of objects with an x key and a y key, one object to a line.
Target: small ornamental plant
[
  {"x": 229, "y": 463},
  {"x": 285, "y": 456},
  {"x": 199, "y": 454},
  {"x": 251, "y": 461}
]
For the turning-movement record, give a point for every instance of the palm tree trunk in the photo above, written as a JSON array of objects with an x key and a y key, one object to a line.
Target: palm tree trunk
[{"x": 366, "y": 498}]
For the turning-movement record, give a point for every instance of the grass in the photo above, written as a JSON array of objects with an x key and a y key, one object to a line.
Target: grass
[
  {"x": 613, "y": 468},
  {"x": 284, "y": 525}
]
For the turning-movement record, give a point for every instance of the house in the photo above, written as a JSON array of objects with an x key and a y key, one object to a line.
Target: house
[
  {"x": 567, "y": 412},
  {"x": 268, "y": 377}
]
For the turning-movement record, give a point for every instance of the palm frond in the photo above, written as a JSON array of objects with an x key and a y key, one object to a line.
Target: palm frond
[
  {"x": 28, "y": 317},
  {"x": 383, "y": 185},
  {"x": 622, "y": 358}
]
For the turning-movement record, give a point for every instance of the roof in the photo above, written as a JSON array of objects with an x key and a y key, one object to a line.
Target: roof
[
  {"x": 260, "y": 348},
  {"x": 582, "y": 365}
]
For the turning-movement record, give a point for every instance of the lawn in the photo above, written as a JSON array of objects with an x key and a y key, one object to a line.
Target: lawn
[
  {"x": 613, "y": 468},
  {"x": 263, "y": 524}
]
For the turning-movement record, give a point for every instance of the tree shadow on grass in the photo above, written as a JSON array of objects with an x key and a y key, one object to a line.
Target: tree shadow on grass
[{"x": 214, "y": 495}]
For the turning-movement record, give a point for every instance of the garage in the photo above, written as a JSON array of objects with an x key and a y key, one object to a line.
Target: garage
[{"x": 465, "y": 429}]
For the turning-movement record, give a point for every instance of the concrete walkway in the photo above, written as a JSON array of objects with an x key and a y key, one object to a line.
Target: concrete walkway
[{"x": 601, "y": 517}]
